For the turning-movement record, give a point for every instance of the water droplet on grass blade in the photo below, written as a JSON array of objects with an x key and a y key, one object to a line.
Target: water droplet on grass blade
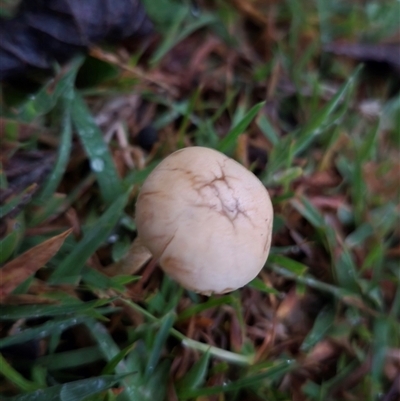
[{"x": 97, "y": 165}]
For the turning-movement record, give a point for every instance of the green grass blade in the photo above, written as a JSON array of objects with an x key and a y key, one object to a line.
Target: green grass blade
[
  {"x": 358, "y": 236},
  {"x": 170, "y": 38},
  {"x": 268, "y": 130},
  {"x": 47, "y": 97},
  {"x": 16, "y": 201},
  {"x": 14, "y": 377},
  {"x": 310, "y": 281},
  {"x": 291, "y": 265},
  {"x": 72, "y": 391},
  {"x": 302, "y": 139},
  {"x": 70, "y": 268},
  {"x": 259, "y": 285},
  {"x": 162, "y": 335},
  {"x": 7, "y": 245},
  {"x": 309, "y": 212},
  {"x": 156, "y": 386},
  {"x": 110, "y": 350},
  {"x": 370, "y": 146},
  {"x": 358, "y": 190},
  {"x": 50, "y": 206},
  {"x": 322, "y": 324},
  {"x": 274, "y": 371},
  {"x": 197, "y": 345},
  {"x": 70, "y": 359},
  {"x": 9, "y": 312},
  {"x": 380, "y": 345},
  {"x": 105, "y": 342},
  {"x": 323, "y": 118},
  {"x": 179, "y": 31},
  {"x": 95, "y": 279},
  {"x": 114, "y": 362},
  {"x": 346, "y": 271},
  {"x": 97, "y": 150},
  {"x": 164, "y": 13},
  {"x": 42, "y": 331},
  {"x": 210, "y": 303},
  {"x": 138, "y": 176},
  {"x": 231, "y": 137},
  {"x": 196, "y": 376}
]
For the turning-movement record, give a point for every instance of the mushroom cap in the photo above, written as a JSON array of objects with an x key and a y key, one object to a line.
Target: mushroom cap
[{"x": 207, "y": 218}]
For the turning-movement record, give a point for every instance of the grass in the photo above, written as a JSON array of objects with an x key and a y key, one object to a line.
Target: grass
[{"x": 251, "y": 79}]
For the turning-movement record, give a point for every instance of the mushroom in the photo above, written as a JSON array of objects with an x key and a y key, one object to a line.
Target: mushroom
[{"x": 207, "y": 219}]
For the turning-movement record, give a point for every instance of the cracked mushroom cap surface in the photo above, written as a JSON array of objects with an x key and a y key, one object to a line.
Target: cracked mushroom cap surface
[{"x": 207, "y": 219}]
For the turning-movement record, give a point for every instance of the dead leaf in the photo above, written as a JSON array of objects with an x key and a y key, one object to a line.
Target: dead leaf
[
  {"x": 382, "y": 179},
  {"x": 40, "y": 33},
  {"x": 23, "y": 266},
  {"x": 358, "y": 303},
  {"x": 321, "y": 179},
  {"x": 252, "y": 11},
  {"x": 321, "y": 353}
]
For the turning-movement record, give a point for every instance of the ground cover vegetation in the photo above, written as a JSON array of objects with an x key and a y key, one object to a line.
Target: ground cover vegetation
[{"x": 303, "y": 93}]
